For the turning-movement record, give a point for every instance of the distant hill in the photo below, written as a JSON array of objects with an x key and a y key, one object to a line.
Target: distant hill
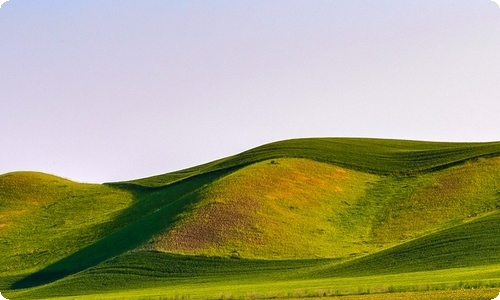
[{"x": 365, "y": 206}]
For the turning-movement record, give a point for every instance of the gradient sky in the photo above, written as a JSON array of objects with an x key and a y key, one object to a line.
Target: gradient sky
[{"x": 99, "y": 91}]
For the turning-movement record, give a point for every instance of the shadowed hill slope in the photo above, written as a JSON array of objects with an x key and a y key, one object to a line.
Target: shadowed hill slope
[{"x": 150, "y": 210}]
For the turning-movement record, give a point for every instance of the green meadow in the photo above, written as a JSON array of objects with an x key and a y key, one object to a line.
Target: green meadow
[{"x": 337, "y": 218}]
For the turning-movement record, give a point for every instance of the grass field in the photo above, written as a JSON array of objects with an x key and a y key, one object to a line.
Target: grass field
[
  {"x": 299, "y": 218},
  {"x": 257, "y": 280}
]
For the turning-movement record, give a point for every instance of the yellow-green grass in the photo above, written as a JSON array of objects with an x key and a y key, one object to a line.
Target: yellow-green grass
[
  {"x": 462, "y": 294},
  {"x": 475, "y": 243},
  {"x": 283, "y": 208},
  {"x": 131, "y": 277},
  {"x": 402, "y": 208},
  {"x": 150, "y": 210},
  {"x": 435, "y": 262},
  {"x": 43, "y": 218},
  {"x": 299, "y": 208}
]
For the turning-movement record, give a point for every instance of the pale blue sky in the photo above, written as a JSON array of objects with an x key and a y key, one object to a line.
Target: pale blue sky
[{"x": 101, "y": 91}]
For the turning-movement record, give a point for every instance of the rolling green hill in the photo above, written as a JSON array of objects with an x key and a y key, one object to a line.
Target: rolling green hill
[
  {"x": 378, "y": 156},
  {"x": 304, "y": 217},
  {"x": 39, "y": 211}
]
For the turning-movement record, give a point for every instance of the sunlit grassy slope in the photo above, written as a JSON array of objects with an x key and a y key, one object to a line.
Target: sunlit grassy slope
[
  {"x": 305, "y": 213},
  {"x": 474, "y": 243},
  {"x": 43, "y": 218},
  {"x": 298, "y": 208},
  {"x": 284, "y": 208}
]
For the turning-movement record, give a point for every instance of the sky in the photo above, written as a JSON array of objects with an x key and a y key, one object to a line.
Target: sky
[{"x": 102, "y": 91}]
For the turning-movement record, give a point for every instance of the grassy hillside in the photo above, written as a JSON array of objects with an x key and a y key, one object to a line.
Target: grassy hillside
[
  {"x": 150, "y": 211},
  {"x": 338, "y": 215},
  {"x": 39, "y": 211},
  {"x": 470, "y": 244},
  {"x": 298, "y": 208},
  {"x": 377, "y": 156},
  {"x": 284, "y": 208},
  {"x": 465, "y": 256}
]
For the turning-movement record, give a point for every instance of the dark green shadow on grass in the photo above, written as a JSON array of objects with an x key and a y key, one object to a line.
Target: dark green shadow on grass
[{"x": 154, "y": 209}]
